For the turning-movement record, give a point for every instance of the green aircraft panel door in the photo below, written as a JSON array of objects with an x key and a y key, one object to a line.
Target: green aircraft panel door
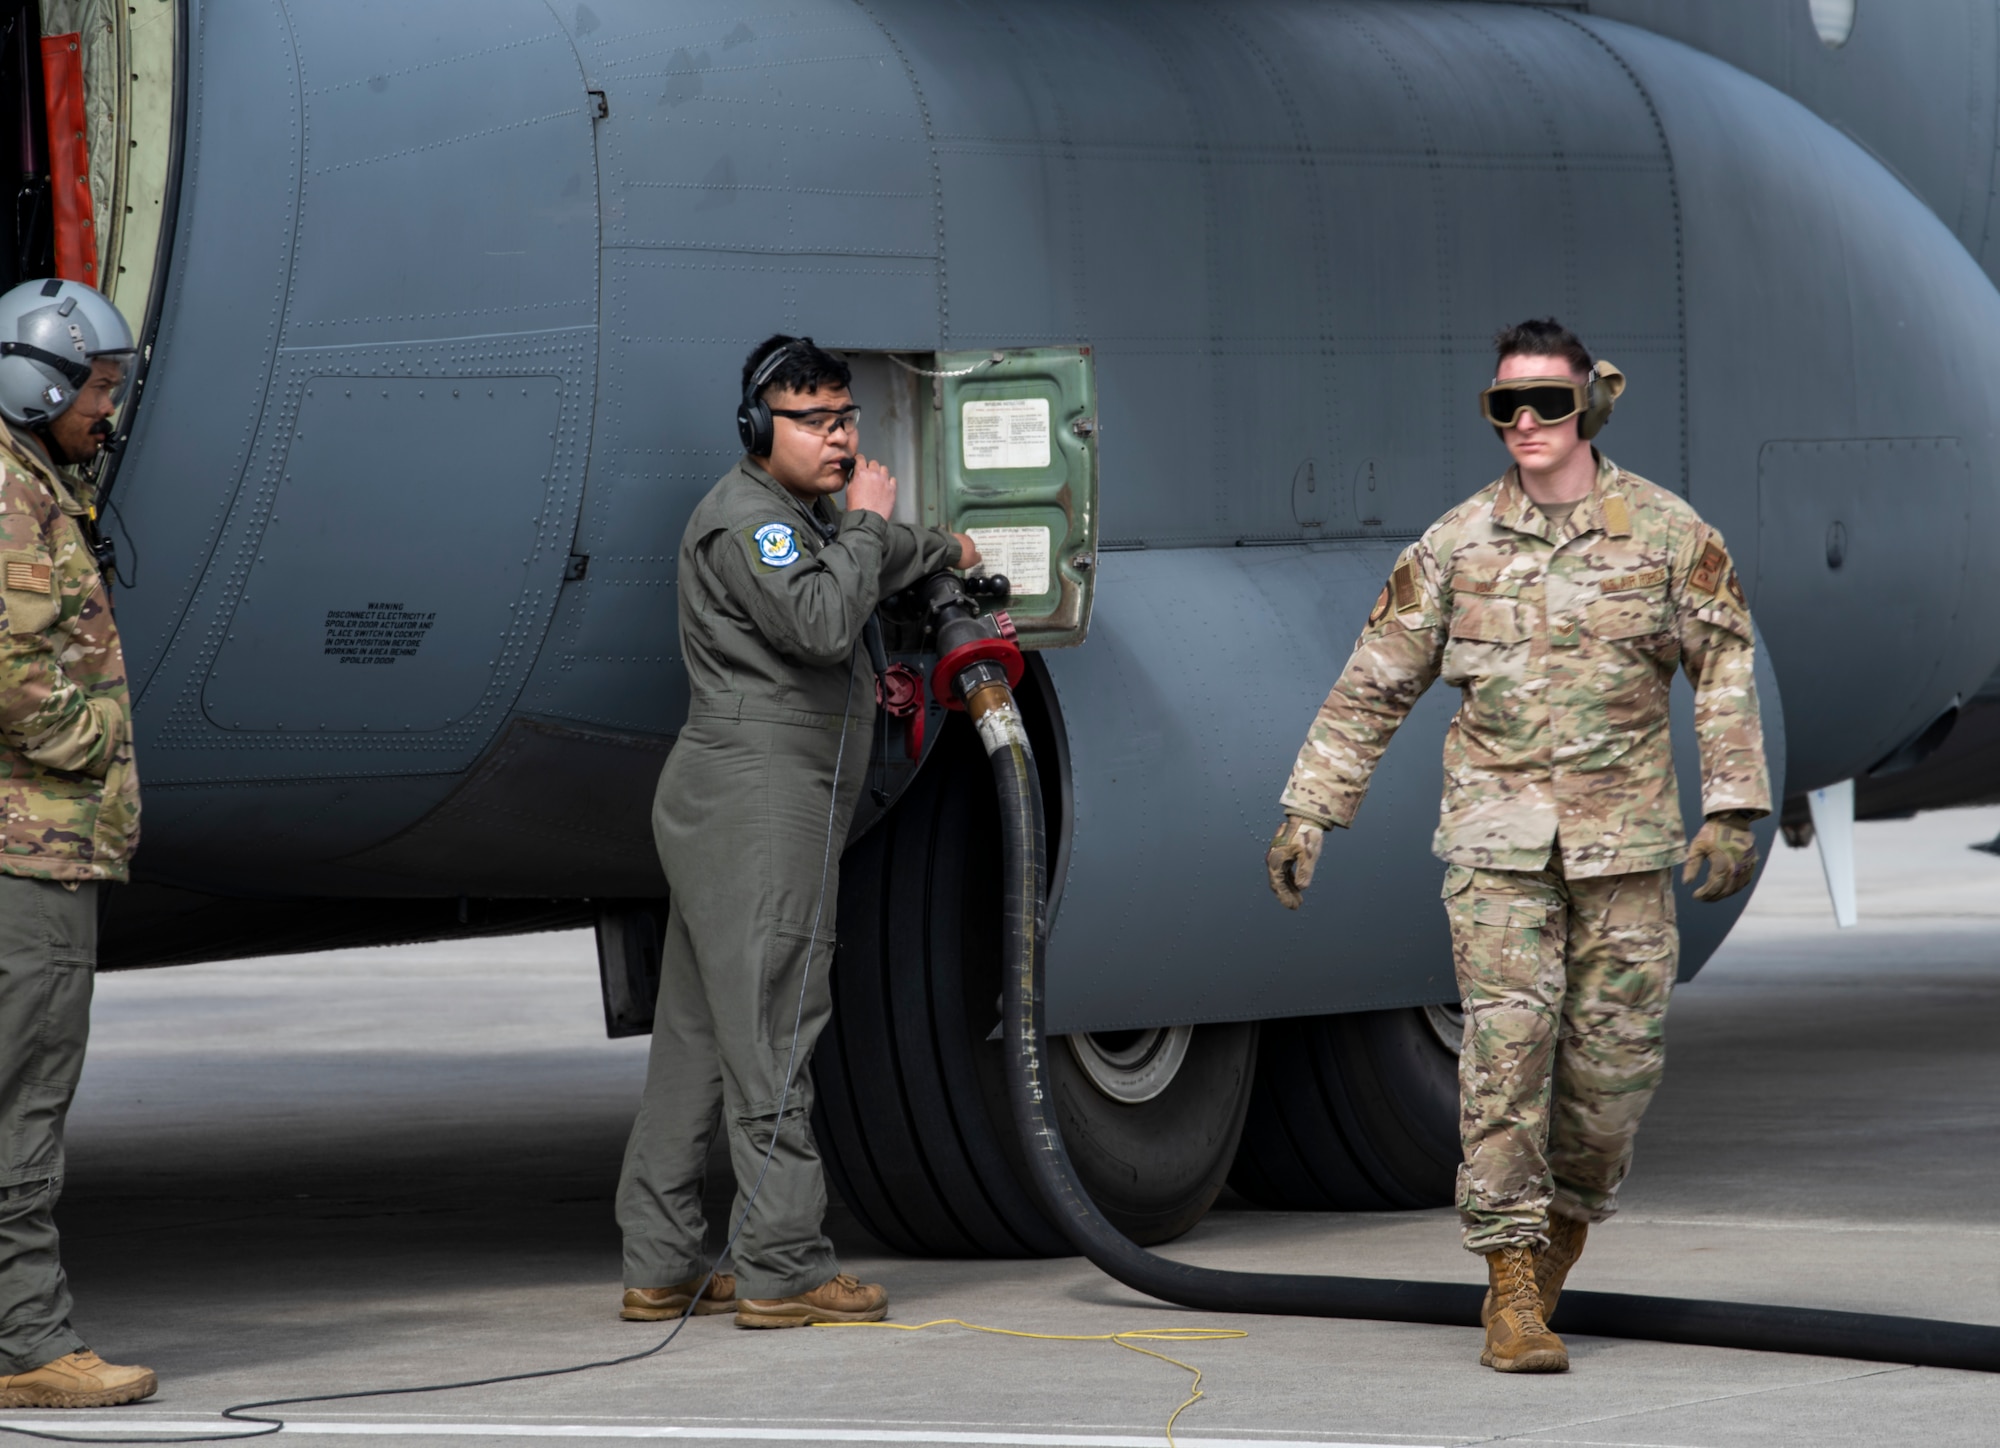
[{"x": 1014, "y": 453}]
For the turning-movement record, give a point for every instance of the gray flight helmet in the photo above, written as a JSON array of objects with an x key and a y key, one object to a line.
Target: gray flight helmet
[{"x": 50, "y": 333}]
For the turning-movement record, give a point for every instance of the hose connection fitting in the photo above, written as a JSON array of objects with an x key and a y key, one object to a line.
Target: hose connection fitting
[{"x": 979, "y": 662}]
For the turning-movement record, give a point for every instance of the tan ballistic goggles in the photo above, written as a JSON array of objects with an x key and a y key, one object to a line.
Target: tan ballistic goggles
[{"x": 1550, "y": 399}]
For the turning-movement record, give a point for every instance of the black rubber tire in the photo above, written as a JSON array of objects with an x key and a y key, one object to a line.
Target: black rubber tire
[
  {"x": 1155, "y": 1168},
  {"x": 911, "y": 1107},
  {"x": 1351, "y": 1113}
]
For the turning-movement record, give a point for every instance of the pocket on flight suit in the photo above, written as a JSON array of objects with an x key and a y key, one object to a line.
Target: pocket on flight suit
[{"x": 797, "y": 993}]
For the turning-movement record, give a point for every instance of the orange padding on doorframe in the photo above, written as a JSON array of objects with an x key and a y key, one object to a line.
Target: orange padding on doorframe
[{"x": 69, "y": 159}]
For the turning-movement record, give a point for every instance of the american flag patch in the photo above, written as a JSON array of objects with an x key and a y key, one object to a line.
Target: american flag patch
[{"x": 31, "y": 577}]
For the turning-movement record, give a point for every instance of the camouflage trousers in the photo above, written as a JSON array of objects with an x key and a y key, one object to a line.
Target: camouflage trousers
[{"x": 1565, "y": 986}]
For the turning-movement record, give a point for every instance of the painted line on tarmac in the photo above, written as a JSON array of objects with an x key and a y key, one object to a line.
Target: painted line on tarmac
[{"x": 688, "y": 1433}]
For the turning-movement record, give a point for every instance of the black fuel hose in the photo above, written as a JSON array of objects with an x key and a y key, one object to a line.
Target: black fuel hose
[{"x": 1755, "y": 1327}]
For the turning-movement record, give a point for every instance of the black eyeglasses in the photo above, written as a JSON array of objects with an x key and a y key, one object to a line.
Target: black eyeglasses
[{"x": 821, "y": 421}]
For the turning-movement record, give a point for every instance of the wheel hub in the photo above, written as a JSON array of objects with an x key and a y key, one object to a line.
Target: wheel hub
[{"x": 1132, "y": 1066}]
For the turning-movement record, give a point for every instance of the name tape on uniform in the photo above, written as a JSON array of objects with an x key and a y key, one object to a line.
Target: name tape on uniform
[
  {"x": 1005, "y": 432},
  {"x": 1023, "y": 555}
]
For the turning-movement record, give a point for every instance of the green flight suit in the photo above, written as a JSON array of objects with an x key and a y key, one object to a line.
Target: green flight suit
[{"x": 750, "y": 829}]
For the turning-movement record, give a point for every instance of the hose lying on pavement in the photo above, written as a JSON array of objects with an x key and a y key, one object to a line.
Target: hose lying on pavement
[{"x": 1753, "y": 1326}]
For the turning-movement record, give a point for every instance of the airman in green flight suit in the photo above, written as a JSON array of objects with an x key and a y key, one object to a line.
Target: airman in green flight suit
[{"x": 776, "y": 586}]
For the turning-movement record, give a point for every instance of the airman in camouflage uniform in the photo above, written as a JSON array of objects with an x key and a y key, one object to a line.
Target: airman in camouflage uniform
[
  {"x": 71, "y": 801},
  {"x": 1560, "y": 819}
]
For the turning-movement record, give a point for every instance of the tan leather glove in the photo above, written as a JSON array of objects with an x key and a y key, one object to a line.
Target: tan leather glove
[
  {"x": 1726, "y": 843},
  {"x": 1291, "y": 859}
]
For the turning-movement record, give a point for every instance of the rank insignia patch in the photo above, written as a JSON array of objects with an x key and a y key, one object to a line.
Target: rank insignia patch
[
  {"x": 776, "y": 545},
  {"x": 1709, "y": 570},
  {"x": 31, "y": 577},
  {"x": 1404, "y": 581}
]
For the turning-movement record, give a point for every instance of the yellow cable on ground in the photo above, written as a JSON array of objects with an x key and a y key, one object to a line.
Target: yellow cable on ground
[{"x": 1137, "y": 1334}]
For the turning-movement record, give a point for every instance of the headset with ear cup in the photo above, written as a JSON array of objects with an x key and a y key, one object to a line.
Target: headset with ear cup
[
  {"x": 1601, "y": 394},
  {"x": 753, "y": 416}
]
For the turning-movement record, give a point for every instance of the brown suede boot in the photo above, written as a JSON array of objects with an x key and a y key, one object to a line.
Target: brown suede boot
[
  {"x": 841, "y": 1300},
  {"x": 77, "y": 1380},
  {"x": 656, "y": 1304},
  {"x": 1552, "y": 1264},
  {"x": 1518, "y": 1340}
]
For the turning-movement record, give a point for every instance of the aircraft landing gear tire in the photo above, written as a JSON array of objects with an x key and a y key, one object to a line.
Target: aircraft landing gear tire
[
  {"x": 1353, "y": 1113},
  {"x": 911, "y": 1114}
]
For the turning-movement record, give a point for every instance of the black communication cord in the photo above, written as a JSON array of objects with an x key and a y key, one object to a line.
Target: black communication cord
[{"x": 245, "y": 1412}]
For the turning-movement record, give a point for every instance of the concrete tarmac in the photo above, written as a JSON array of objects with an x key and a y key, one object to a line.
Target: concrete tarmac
[{"x": 388, "y": 1168}]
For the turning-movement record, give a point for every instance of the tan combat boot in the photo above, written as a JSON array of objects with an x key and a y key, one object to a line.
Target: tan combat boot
[
  {"x": 841, "y": 1300},
  {"x": 1552, "y": 1264},
  {"x": 656, "y": 1304},
  {"x": 1518, "y": 1340},
  {"x": 77, "y": 1380}
]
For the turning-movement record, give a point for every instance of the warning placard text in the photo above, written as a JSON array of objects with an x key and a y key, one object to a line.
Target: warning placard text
[
  {"x": 1020, "y": 554},
  {"x": 381, "y": 633},
  {"x": 1006, "y": 432}
]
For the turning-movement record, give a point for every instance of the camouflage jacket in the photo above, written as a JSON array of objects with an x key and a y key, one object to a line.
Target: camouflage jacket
[
  {"x": 66, "y": 772},
  {"x": 1563, "y": 643}
]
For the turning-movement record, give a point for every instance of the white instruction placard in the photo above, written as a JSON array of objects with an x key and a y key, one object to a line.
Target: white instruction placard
[
  {"x": 1005, "y": 432},
  {"x": 1021, "y": 555}
]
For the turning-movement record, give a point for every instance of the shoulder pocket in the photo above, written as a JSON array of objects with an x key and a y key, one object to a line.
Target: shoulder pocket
[{"x": 29, "y": 589}]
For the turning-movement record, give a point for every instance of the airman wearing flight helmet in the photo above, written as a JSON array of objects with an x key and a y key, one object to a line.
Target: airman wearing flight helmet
[
  {"x": 1559, "y": 600},
  {"x": 72, "y": 808}
]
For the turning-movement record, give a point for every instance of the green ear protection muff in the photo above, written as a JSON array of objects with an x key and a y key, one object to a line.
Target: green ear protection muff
[{"x": 1600, "y": 396}]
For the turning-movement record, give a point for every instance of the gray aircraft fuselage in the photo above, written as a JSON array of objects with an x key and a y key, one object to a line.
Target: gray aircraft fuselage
[{"x": 448, "y": 347}]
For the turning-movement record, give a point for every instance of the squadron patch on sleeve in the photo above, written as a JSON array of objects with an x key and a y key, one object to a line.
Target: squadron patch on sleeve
[
  {"x": 1735, "y": 587},
  {"x": 1381, "y": 607},
  {"x": 777, "y": 547},
  {"x": 1708, "y": 570}
]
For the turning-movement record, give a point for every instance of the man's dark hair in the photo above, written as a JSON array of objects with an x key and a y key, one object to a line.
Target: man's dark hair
[
  {"x": 1542, "y": 337},
  {"x": 805, "y": 367}
]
